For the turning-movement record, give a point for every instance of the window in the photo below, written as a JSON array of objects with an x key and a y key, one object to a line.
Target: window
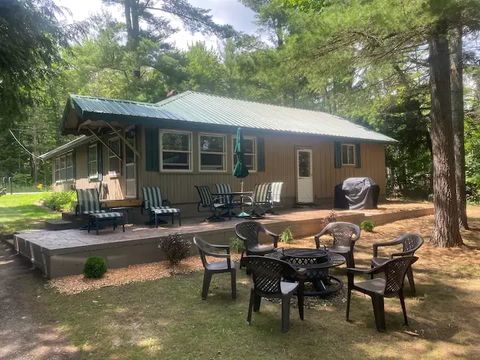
[
  {"x": 64, "y": 167},
  {"x": 114, "y": 163},
  {"x": 93, "y": 161},
  {"x": 348, "y": 154},
  {"x": 69, "y": 166},
  {"x": 175, "y": 149},
  {"x": 249, "y": 152},
  {"x": 212, "y": 152}
]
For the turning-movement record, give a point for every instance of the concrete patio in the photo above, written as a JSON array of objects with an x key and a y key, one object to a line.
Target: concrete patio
[{"x": 63, "y": 252}]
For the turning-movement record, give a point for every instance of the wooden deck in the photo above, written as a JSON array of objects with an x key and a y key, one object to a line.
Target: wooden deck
[{"x": 63, "y": 252}]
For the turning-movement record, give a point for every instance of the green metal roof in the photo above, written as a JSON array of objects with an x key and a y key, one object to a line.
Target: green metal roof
[
  {"x": 194, "y": 110},
  {"x": 66, "y": 147}
]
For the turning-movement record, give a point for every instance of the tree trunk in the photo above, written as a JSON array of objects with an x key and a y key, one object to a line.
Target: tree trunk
[
  {"x": 456, "y": 80},
  {"x": 446, "y": 231},
  {"x": 133, "y": 32}
]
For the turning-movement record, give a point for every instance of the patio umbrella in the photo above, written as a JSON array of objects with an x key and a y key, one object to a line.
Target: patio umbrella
[{"x": 240, "y": 170}]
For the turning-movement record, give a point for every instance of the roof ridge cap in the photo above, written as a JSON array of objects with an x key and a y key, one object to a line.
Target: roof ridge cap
[
  {"x": 174, "y": 98},
  {"x": 111, "y": 99}
]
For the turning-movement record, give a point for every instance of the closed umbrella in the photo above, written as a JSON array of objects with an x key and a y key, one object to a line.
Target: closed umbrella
[{"x": 240, "y": 170}]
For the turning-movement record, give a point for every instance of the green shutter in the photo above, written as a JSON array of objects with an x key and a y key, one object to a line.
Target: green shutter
[
  {"x": 151, "y": 150},
  {"x": 260, "y": 154},
  {"x": 358, "y": 156},
  {"x": 338, "y": 154}
]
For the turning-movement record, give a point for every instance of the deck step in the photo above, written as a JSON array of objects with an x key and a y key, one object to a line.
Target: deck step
[{"x": 60, "y": 224}]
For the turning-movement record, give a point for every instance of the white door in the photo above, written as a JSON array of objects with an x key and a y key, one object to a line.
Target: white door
[
  {"x": 130, "y": 165},
  {"x": 304, "y": 176}
]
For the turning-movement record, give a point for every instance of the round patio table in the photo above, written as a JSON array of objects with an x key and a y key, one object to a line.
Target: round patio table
[{"x": 317, "y": 263}]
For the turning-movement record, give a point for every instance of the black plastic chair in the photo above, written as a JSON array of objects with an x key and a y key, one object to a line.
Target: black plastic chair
[
  {"x": 391, "y": 285},
  {"x": 248, "y": 232},
  {"x": 410, "y": 243},
  {"x": 268, "y": 276},
  {"x": 226, "y": 266},
  {"x": 344, "y": 236}
]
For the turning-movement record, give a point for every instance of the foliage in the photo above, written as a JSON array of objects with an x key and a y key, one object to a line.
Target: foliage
[
  {"x": 236, "y": 245},
  {"x": 286, "y": 236},
  {"x": 60, "y": 200},
  {"x": 95, "y": 267},
  {"x": 175, "y": 248},
  {"x": 367, "y": 225},
  {"x": 332, "y": 217}
]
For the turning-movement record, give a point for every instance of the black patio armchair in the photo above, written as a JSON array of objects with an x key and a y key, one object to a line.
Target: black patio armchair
[
  {"x": 268, "y": 276},
  {"x": 213, "y": 203},
  {"x": 216, "y": 267},
  {"x": 248, "y": 232},
  {"x": 344, "y": 236},
  {"x": 410, "y": 243},
  {"x": 260, "y": 201},
  {"x": 378, "y": 288}
]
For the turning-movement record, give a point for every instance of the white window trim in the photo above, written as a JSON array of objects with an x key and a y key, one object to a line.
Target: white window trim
[
  {"x": 255, "y": 152},
  {"x": 95, "y": 176},
  {"x": 59, "y": 169},
  {"x": 224, "y": 153},
  {"x": 190, "y": 165},
  {"x": 114, "y": 174},
  {"x": 354, "y": 154}
]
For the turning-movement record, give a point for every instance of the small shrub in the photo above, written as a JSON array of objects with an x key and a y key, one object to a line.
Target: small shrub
[
  {"x": 60, "y": 201},
  {"x": 286, "y": 236},
  {"x": 236, "y": 245},
  {"x": 175, "y": 248},
  {"x": 95, "y": 267},
  {"x": 332, "y": 217},
  {"x": 367, "y": 225}
]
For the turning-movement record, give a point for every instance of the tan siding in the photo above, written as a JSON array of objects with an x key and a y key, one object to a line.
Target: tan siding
[{"x": 280, "y": 162}]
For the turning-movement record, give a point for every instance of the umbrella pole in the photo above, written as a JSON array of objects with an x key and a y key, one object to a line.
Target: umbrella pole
[{"x": 242, "y": 214}]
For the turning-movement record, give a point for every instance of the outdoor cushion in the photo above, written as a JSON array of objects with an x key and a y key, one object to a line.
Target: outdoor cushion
[
  {"x": 107, "y": 215},
  {"x": 164, "y": 210}
]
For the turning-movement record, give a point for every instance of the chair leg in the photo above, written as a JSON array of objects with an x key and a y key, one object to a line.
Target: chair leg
[
  {"x": 300, "y": 299},
  {"x": 233, "y": 279},
  {"x": 250, "y": 306},
  {"x": 179, "y": 220},
  {"x": 379, "y": 312},
  {"x": 241, "y": 260},
  {"x": 349, "y": 298},
  {"x": 123, "y": 227},
  {"x": 404, "y": 309},
  {"x": 156, "y": 220},
  {"x": 257, "y": 299},
  {"x": 207, "y": 278},
  {"x": 96, "y": 225},
  {"x": 285, "y": 313},
  {"x": 411, "y": 282},
  {"x": 89, "y": 225}
]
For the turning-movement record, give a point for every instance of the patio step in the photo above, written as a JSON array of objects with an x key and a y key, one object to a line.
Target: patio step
[{"x": 60, "y": 224}]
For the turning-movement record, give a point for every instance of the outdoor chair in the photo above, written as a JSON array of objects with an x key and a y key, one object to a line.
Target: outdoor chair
[
  {"x": 390, "y": 285},
  {"x": 260, "y": 201},
  {"x": 208, "y": 201},
  {"x": 88, "y": 204},
  {"x": 157, "y": 207},
  {"x": 276, "y": 196},
  {"x": 268, "y": 276},
  {"x": 217, "y": 267},
  {"x": 410, "y": 243},
  {"x": 226, "y": 199},
  {"x": 344, "y": 236},
  {"x": 248, "y": 232}
]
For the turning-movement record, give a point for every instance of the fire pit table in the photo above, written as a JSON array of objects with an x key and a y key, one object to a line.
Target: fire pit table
[{"x": 317, "y": 263}]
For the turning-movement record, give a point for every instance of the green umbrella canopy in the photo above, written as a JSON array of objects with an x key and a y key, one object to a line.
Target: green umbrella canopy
[{"x": 240, "y": 170}]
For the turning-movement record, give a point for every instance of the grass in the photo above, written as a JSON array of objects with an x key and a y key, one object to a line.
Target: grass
[
  {"x": 23, "y": 211},
  {"x": 167, "y": 319}
]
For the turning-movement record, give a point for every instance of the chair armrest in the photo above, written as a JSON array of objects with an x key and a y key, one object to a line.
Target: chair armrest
[
  {"x": 384, "y": 244},
  {"x": 275, "y": 237}
]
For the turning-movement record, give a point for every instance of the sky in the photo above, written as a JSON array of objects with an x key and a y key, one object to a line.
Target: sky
[{"x": 223, "y": 12}]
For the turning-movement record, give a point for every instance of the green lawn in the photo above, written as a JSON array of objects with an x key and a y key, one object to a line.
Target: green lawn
[{"x": 23, "y": 211}]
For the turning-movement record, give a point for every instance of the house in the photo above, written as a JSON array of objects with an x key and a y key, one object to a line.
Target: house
[{"x": 188, "y": 140}]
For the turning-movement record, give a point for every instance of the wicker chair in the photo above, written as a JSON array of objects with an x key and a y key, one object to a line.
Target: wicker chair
[
  {"x": 226, "y": 266},
  {"x": 410, "y": 243},
  {"x": 391, "y": 285},
  {"x": 268, "y": 274},
  {"x": 344, "y": 236},
  {"x": 248, "y": 232}
]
